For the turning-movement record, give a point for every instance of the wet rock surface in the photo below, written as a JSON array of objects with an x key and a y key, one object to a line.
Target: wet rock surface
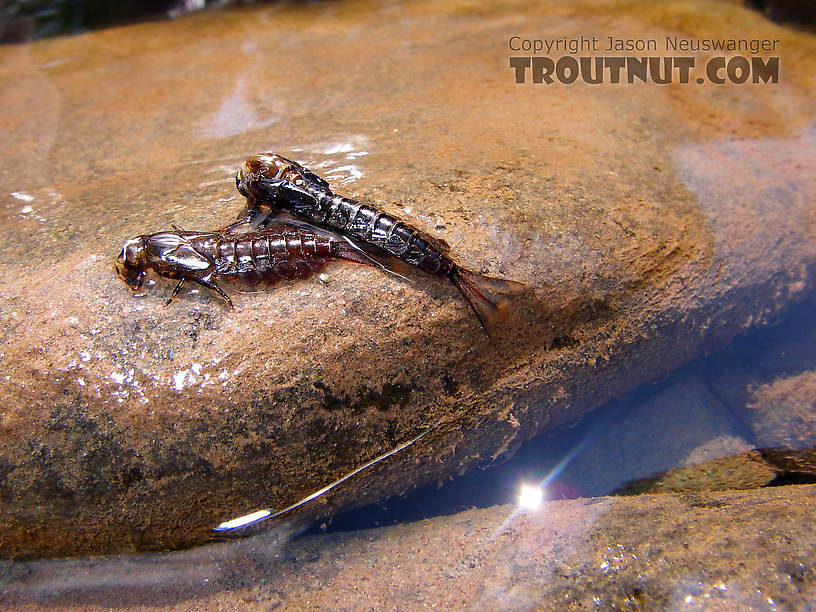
[
  {"x": 653, "y": 552},
  {"x": 652, "y": 226}
]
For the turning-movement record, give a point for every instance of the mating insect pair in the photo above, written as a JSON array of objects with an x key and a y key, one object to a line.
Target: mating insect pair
[{"x": 328, "y": 226}]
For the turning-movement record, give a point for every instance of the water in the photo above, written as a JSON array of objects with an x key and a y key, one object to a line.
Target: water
[{"x": 578, "y": 461}]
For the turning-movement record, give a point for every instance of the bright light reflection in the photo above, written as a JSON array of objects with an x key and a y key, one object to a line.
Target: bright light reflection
[
  {"x": 247, "y": 519},
  {"x": 530, "y": 497},
  {"x": 242, "y": 521}
]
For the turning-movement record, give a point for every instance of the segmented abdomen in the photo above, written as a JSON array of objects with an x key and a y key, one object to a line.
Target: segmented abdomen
[
  {"x": 268, "y": 255},
  {"x": 386, "y": 232},
  {"x": 311, "y": 198}
]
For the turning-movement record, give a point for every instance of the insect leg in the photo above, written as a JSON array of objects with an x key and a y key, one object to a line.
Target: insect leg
[
  {"x": 139, "y": 281},
  {"x": 249, "y": 221},
  {"x": 235, "y": 226},
  {"x": 175, "y": 292},
  {"x": 211, "y": 285}
]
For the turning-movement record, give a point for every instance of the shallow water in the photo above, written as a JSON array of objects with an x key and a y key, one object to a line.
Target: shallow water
[
  {"x": 656, "y": 224},
  {"x": 579, "y": 461}
]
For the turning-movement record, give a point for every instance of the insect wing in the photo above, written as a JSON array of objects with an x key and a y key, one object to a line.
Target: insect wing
[
  {"x": 163, "y": 242},
  {"x": 188, "y": 235},
  {"x": 285, "y": 194},
  {"x": 365, "y": 253},
  {"x": 175, "y": 249},
  {"x": 314, "y": 178},
  {"x": 281, "y": 220},
  {"x": 187, "y": 259}
]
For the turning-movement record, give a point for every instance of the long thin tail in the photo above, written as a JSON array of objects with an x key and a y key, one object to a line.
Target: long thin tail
[{"x": 489, "y": 297}]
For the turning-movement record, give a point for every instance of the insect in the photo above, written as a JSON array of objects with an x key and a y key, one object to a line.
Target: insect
[
  {"x": 273, "y": 183},
  {"x": 269, "y": 255}
]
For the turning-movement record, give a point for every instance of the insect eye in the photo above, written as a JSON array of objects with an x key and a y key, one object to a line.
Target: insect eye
[{"x": 239, "y": 180}]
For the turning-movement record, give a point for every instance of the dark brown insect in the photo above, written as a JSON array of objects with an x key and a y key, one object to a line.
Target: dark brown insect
[
  {"x": 272, "y": 182},
  {"x": 268, "y": 255}
]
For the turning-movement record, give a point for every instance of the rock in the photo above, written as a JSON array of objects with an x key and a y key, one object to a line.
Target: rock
[
  {"x": 22, "y": 20},
  {"x": 760, "y": 358},
  {"x": 652, "y": 552},
  {"x": 767, "y": 380},
  {"x": 782, "y": 414},
  {"x": 680, "y": 426},
  {"x": 793, "y": 466},
  {"x": 748, "y": 470},
  {"x": 785, "y": 11},
  {"x": 652, "y": 223}
]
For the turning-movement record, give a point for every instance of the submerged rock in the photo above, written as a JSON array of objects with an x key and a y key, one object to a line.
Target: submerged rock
[
  {"x": 681, "y": 426},
  {"x": 652, "y": 223},
  {"x": 653, "y": 552},
  {"x": 782, "y": 414},
  {"x": 759, "y": 360},
  {"x": 748, "y": 470}
]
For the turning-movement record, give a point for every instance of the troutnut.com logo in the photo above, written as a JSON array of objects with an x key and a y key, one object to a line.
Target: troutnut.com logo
[{"x": 567, "y": 60}]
